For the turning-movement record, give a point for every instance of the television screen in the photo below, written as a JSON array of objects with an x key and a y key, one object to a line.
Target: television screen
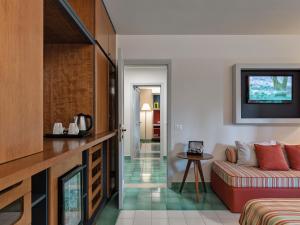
[{"x": 270, "y": 89}]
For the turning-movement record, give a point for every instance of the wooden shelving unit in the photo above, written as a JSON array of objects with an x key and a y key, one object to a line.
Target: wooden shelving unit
[
  {"x": 95, "y": 178},
  {"x": 67, "y": 66}
]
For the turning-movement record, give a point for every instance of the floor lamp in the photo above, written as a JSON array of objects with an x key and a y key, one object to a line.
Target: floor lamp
[{"x": 146, "y": 107}]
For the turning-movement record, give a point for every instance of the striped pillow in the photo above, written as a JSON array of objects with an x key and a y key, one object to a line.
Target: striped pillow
[{"x": 231, "y": 154}]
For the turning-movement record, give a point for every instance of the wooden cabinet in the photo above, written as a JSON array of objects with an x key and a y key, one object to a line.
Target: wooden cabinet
[
  {"x": 21, "y": 71},
  {"x": 101, "y": 92},
  {"x": 104, "y": 31},
  {"x": 101, "y": 26},
  {"x": 51, "y": 69},
  {"x": 94, "y": 15},
  {"x": 112, "y": 44}
]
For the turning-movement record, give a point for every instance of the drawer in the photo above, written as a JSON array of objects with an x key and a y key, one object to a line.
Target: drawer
[{"x": 15, "y": 204}]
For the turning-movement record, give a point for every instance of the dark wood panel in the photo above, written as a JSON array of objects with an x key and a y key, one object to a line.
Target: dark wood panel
[
  {"x": 113, "y": 98},
  {"x": 101, "y": 92},
  {"x": 113, "y": 174},
  {"x": 21, "y": 86},
  {"x": 62, "y": 25},
  {"x": 68, "y": 83}
]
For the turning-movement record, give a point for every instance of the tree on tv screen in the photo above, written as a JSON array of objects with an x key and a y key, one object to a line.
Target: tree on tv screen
[{"x": 270, "y": 89}]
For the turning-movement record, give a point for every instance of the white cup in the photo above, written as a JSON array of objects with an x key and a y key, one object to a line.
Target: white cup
[
  {"x": 58, "y": 128},
  {"x": 73, "y": 129}
]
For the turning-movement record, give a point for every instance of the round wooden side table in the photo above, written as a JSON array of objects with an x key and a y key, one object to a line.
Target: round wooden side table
[{"x": 196, "y": 160}]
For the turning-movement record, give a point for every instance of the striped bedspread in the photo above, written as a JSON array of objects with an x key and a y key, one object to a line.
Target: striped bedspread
[
  {"x": 271, "y": 212},
  {"x": 243, "y": 176}
]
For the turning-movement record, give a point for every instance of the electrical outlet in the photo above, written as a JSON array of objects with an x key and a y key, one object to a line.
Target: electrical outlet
[{"x": 179, "y": 127}]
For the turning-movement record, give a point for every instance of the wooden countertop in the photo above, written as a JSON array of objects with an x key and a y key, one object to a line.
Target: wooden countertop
[{"x": 55, "y": 150}]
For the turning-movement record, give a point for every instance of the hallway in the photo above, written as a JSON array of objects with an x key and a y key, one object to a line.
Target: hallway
[
  {"x": 145, "y": 173},
  {"x": 149, "y": 150}
]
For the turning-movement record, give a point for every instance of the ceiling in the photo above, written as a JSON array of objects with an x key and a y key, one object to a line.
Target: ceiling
[{"x": 158, "y": 17}]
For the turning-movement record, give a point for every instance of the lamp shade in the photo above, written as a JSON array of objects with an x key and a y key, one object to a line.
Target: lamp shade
[{"x": 146, "y": 107}]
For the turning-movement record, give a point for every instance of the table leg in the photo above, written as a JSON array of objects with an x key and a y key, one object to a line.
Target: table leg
[
  {"x": 196, "y": 180},
  {"x": 201, "y": 175},
  {"x": 188, "y": 165}
]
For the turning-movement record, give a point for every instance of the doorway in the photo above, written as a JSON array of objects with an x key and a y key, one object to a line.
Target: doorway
[
  {"x": 145, "y": 114},
  {"x": 146, "y": 122}
]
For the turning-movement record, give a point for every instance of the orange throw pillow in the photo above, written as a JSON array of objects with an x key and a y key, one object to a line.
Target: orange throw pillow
[
  {"x": 293, "y": 155},
  {"x": 231, "y": 154},
  {"x": 270, "y": 157}
]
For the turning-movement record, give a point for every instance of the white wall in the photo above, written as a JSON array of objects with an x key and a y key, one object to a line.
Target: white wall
[
  {"x": 150, "y": 75},
  {"x": 201, "y": 87}
]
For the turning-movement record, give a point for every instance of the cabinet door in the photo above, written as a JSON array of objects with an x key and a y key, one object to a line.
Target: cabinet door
[
  {"x": 102, "y": 94},
  {"x": 112, "y": 43},
  {"x": 21, "y": 78},
  {"x": 101, "y": 25},
  {"x": 95, "y": 178}
]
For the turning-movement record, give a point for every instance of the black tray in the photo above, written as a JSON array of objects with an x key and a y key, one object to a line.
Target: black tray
[
  {"x": 194, "y": 153},
  {"x": 66, "y": 135}
]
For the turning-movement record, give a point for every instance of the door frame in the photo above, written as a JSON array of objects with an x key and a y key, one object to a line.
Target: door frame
[
  {"x": 133, "y": 121},
  {"x": 168, "y": 63},
  {"x": 132, "y": 125},
  {"x": 121, "y": 129}
]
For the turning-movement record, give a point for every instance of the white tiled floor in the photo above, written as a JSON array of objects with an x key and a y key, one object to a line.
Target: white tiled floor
[{"x": 176, "y": 217}]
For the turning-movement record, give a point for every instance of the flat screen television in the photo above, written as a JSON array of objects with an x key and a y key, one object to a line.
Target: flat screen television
[{"x": 275, "y": 89}]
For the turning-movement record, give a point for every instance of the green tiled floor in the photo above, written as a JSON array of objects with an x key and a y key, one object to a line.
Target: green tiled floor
[
  {"x": 155, "y": 171},
  {"x": 109, "y": 214},
  {"x": 149, "y": 150},
  {"x": 145, "y": 171},
  {"x": 170, "y": 199}
]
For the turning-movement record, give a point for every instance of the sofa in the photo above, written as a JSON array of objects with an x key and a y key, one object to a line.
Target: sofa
[{"x": 236, "y": 184}]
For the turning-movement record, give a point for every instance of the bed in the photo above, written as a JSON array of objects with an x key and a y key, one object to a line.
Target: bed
[{"x": 271, "y": 212}]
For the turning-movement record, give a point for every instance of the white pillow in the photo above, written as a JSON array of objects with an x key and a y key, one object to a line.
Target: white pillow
[{"x": 246, "y": 152}]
